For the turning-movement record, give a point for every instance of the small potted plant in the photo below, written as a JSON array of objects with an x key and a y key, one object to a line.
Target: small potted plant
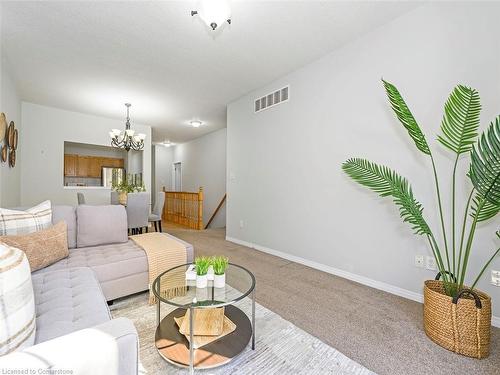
[
  {"x": 219, "y": 263},
  {"x": 202, "y": 264}
]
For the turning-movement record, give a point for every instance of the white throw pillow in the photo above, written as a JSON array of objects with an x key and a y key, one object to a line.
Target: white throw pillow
[
  {"x": 15, "y": 222},
  {"x": 17, "y": 312}
]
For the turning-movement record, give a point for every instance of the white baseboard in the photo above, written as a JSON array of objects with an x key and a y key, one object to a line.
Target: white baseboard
[{"x": 495, "y": 321}]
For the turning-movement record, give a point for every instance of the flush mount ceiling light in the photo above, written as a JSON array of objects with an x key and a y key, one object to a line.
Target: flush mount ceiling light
[
  {"x": 196, "y": 123},
  {"x": 127, "y": 139},
  {"x": 213, "y": 12},
  {"x": 167, "y": 143}
]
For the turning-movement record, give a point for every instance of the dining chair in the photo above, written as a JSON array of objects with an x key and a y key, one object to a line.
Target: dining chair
[
  {"x": 137, "y": 211},
  {"x": 81, "y": 198},
  {"x": 155, "y": 216},
  {"x": 114, "y": 197}
]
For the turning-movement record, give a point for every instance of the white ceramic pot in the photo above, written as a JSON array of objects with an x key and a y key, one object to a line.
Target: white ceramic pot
[
  {"x": 220, "y": 281},
  {"x": 201, "y": 281}
]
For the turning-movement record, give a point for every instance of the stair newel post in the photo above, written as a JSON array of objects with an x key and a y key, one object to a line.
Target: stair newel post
[{"x": 200, "y": 208}]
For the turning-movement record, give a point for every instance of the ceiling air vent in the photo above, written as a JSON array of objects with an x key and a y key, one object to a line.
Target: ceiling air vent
[{"x": 272, "y": 99}]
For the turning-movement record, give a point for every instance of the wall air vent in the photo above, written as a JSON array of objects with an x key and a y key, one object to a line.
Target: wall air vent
[{"x": 272, "y": 99}]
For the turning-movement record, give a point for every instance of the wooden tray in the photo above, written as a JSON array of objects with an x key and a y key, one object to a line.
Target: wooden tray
[
  {"x": 207, "y": 322},
  {"x": 200, "y": 340}
]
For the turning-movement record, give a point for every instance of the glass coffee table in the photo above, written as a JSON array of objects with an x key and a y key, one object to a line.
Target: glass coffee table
[{"x": 174, "y": 346}]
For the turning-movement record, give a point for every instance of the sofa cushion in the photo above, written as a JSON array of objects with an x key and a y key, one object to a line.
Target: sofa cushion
[
  {"x": 42, "y": 248},
  {"x": 33, "y": 219},
  {"x": 67, "y": 300},
  {"x": 101, "y": 225},
  {"x": 67, "y": 214},
  {"x": 109, "y": 262},
  {"x": 17, "y": 307}
]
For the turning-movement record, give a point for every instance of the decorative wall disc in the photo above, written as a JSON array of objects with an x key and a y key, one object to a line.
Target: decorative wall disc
[
  {"x": 14, "y": 140},
  {"x": 12, "y": 158},
  {"x": 3, "y": 126},
  {"x": 10, "y": 134},
  {"x": 4, "y": 154}
]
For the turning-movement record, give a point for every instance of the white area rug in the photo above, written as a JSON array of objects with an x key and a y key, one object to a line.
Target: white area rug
[{"x": 280, "y": 346}]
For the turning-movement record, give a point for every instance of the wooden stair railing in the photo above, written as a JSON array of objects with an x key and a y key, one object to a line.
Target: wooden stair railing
[
  {"x": 216, "y": 210},
  {"x": 184, "y": 208}
]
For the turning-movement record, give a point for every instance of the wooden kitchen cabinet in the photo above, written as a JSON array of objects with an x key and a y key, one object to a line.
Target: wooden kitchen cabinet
[
  {"x": 107, "y": 162},
  {"x": 95, "y": 167},
  {"x": 88, "y": 166},
  {"x": 82, "y": 166},
  {"x": 70, "y": 165},
  {"x": 118, "y": 163}
]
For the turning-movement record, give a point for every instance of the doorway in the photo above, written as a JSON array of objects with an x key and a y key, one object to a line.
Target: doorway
[{"x": 177, "y": 181}]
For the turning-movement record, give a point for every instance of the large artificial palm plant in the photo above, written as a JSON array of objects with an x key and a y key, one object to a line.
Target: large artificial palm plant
[{"x": 459, "y": 134}]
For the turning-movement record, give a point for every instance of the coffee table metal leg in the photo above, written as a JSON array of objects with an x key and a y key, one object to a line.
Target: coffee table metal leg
[
  {"x": 191, "y": 342},
  {"x": 157, "y": 311},
  {"x": 253, "y": 319}
]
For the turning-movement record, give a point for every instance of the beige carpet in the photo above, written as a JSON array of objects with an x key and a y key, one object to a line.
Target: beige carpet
[{"x": 381, "y": 331}]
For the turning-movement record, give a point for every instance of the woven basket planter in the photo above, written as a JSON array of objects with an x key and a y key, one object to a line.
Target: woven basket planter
[{"x": 461, "y": 324}]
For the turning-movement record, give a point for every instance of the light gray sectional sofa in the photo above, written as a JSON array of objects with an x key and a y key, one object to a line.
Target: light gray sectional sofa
[
  {"x": 97, "y": 238},
  {"x": 74, "y": 328}
]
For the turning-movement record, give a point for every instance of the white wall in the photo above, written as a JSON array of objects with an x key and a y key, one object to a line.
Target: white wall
[
  {"x": 11, "y": 106},
  {"x": 203, "y": 162},
  {"x": 93, "y": 150},
  {"x": 135, "y": 162},
  {"x": 44, "y": 131},
  {"x": 163, "y": 159},
  {"x": 284, "y": 164}
]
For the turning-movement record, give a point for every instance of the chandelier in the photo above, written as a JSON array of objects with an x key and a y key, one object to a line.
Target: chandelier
[
  {"x": 214, "y": 12},
  {"x": 127, "y": 139}
]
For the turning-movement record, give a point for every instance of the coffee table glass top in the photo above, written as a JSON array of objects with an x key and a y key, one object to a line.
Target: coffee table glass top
[{"x": 171, "y": 287}]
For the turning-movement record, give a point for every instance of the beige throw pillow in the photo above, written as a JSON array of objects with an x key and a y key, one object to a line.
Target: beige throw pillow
[{"x": 42, "y": 248}]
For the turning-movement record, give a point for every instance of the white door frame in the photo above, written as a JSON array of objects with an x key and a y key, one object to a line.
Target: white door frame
[{"x": 174, "y": 175}]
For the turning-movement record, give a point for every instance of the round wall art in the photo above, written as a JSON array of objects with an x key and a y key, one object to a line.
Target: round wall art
[
  {"x": 12, "y": 158},
  {"x": 3, "y": 126},
  {"x": 3, "y": 154},
  {"x": 11, "y": 134},
  {"x": 14, "y": 140}
]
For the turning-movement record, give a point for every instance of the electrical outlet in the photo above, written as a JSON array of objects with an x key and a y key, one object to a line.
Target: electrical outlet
[
  {"x": 242, "y": 223},
  {"x": 419, "y": 261},
  {"x": 430, "y": 263},
  {"x": 495, "y": 278}
]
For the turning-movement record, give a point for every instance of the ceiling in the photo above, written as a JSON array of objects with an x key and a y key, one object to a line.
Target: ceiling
[{"x": 92, "y": 57}]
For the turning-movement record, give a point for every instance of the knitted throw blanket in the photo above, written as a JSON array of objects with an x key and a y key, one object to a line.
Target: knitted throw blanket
[{"x": 164, "y": 253}]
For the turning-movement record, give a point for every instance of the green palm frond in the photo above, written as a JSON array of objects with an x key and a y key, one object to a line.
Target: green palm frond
[
  {"x": 386, "y": 182},
  {"x": 405, "y": 117},
  {"x": 485, "y": 164},
  {"x": 460, "y": 120},
  {"x": 487, "y": 210}
]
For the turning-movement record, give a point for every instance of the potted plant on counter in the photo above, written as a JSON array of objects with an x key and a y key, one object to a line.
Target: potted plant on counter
[
  {"x": 456, "y": 316},
  {"x": 219, "y": 264},
  {"x": 202, "y": 264}
]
